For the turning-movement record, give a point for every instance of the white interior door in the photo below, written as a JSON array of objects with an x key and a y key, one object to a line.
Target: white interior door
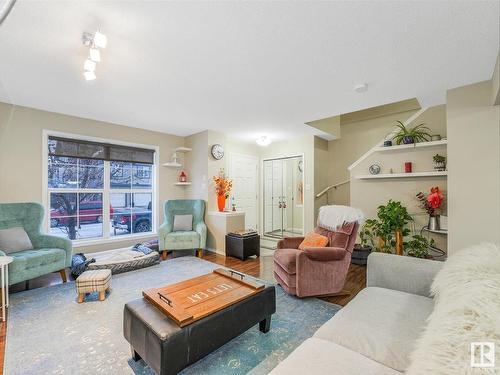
[{"x": 243, "y": 170}]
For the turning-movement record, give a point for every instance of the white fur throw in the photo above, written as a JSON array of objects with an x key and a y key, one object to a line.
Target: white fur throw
[
  {"x": 333, "y": 217},
  {"x": 467, "y": 309}
]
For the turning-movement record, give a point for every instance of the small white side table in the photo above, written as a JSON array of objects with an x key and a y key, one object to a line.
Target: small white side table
[{"x": 4, "y": 265}]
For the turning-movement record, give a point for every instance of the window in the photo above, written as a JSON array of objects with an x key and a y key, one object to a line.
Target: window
[{"x": 92, "y": 196}]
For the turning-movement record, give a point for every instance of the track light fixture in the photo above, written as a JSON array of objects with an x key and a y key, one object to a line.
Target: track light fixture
[{"x": 94, "y": 42}]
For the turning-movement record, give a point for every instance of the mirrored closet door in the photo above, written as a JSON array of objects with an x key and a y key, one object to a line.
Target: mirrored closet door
[{"x": 283, "y": 197}]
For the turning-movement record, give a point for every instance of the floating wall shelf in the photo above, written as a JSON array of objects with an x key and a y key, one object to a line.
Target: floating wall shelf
[
  {"x": 172, "y": 164},
  {"x": 182, "y": 183},
  {"x": 402, "y": 175},
  {"x": 182, "y": 149},
  {"x": 412, "y": 146}
]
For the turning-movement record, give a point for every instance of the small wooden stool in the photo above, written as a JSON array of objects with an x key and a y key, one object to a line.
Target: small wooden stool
[{"x": 93, "y": 281}]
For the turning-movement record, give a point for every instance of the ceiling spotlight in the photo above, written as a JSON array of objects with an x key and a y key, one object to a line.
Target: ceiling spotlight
[
  {"x": 362, "y": 87},
  {"x": 100, "y": 40},
  {"x": 89, "y": 65},
  {"x": 263, "y": 141},
  {"x": 95, "y": 55},
  {"x": 89, "y": 76}
]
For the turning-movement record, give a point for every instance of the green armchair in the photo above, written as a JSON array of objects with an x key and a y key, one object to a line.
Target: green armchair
[
  {"x": 49, "y": 253},
  {"x": 183, "y": 240}
]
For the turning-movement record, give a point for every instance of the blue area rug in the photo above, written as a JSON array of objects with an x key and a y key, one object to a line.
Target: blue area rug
[{"x": 50, "y": 333}]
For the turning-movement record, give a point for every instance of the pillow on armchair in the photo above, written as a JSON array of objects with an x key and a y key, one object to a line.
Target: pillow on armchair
[
  {"x": 313, "y": 240},
  {"x": 183, "y": 223},
  {"x": 14, "y": 239}
]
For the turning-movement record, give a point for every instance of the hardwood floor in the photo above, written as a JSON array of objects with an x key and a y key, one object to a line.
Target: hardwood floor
[{"x": 258, "y": 267}]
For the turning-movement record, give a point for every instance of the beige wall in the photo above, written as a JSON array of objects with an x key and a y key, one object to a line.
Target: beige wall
[
  {"x": 322, "y": 176},
  {"x": 495, "y": 83},
  {"x": 473, "y": 165},
  {"x": 357, "y": 138},
  {"x": 196, "y": 166},
  {"x": 369, "y": 194},
  {"x": 21, "y": 154}
]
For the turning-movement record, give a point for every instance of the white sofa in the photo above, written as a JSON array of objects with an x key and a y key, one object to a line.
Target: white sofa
[{"x": 376, "y": 332}]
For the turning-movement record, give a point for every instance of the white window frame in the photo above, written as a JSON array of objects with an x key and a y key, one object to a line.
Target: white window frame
[{"x": 106, "y": 191}]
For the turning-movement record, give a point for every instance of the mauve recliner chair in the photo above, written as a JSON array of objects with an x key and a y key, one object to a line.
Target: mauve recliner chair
[{"x": 315, "y": 271}]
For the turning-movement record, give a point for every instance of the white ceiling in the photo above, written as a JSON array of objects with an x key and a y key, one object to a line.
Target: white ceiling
[{"x": 244, "y": 68}]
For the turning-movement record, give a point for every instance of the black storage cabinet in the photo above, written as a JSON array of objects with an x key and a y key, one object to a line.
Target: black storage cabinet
[{"x": 242, "y": 247}]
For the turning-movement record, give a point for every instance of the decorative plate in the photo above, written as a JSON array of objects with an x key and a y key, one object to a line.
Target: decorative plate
[{"x": 374, "y": 169}]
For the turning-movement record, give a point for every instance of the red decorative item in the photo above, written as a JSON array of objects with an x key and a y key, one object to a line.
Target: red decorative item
[
  {"x": 432, "y": 202},
  {"x": 435, "y": 198},
  {"x": 182, "y": 177},
  {"x": 408, "y": 167}
]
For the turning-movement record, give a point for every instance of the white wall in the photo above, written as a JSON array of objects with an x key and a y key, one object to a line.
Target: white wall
[{"x": 473, "y": 165}]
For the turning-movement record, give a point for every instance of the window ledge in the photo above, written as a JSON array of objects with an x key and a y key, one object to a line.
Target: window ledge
[{"x": 99, "y": 241}]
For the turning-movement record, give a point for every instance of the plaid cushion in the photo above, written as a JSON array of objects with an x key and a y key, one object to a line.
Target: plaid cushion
[{"x": 93, "y": 281}]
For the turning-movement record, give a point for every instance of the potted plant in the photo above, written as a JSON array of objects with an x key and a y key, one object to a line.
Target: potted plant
[
  {"x": 363, "y": 249},
  {"x": 394, "y": 217},
  {"x": 439, "y": 162},
  {"x": 431, "y": 203},
  {"x": 390, "y": 227},
  {"x": 223, "y": 187},
  {"x": 418, "y": 247},
  {"x": 419, "y": 133}
]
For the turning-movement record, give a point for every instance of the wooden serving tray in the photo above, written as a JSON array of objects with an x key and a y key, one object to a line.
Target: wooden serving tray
[{"x": 193, "y": 299}]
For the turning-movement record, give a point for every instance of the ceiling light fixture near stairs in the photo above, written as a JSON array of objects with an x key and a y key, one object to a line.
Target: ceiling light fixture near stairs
[{"x": 94, "y": 42}]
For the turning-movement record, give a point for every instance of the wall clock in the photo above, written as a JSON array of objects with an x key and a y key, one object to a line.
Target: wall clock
[{"x": 217, "y": 151}]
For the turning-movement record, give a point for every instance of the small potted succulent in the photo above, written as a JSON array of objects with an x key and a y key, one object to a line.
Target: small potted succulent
[
  {"x": 439, "y": 162},
  {"x": 419, "y": 133},
  {"x": 363, "y": 249}
]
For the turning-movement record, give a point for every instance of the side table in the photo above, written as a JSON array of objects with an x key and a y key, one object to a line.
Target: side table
[
  {"x": 4, "y": 265},
  {"x": 242, "y": 247}
]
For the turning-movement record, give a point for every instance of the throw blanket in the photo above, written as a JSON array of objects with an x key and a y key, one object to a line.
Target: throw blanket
[
  {"x": 142, "y": 249},
  {"x": 79, "y": 264},
  {"x": 333, "y": 217}
]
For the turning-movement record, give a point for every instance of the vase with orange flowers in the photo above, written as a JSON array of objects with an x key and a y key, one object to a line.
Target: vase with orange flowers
[
  {"x": 432, "y": 203},
  {"x": 223, "y": 187}
]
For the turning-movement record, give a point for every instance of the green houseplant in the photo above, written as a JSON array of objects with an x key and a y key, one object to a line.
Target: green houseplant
[
  {"x": 418, "y": 246},
  {"x": 390, "y": 227},
  {"x": 406, "y": 135},
  {"x": 394, "y": 218}
]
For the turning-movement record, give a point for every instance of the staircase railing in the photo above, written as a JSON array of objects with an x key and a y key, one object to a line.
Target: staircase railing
[{"x": 328, "y": 188}]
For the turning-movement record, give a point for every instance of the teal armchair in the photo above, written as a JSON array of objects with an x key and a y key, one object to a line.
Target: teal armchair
[
  {"x": 49, "y": 253},
  {"x": 183, "y": 240}
]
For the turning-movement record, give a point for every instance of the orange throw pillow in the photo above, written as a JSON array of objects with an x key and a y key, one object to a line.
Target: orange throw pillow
[{"x": 313, "y": 240}]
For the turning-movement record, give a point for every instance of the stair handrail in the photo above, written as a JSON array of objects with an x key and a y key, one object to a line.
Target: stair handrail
[{"x": 334, "y": 186}]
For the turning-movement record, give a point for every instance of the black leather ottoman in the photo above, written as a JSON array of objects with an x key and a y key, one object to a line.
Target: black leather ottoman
[
  {"x": 242, "y": 247},
  {"x": 167, "y": 348}
]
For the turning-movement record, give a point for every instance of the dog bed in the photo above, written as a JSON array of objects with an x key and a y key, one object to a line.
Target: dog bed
[{"x": 122, "y": 260}]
